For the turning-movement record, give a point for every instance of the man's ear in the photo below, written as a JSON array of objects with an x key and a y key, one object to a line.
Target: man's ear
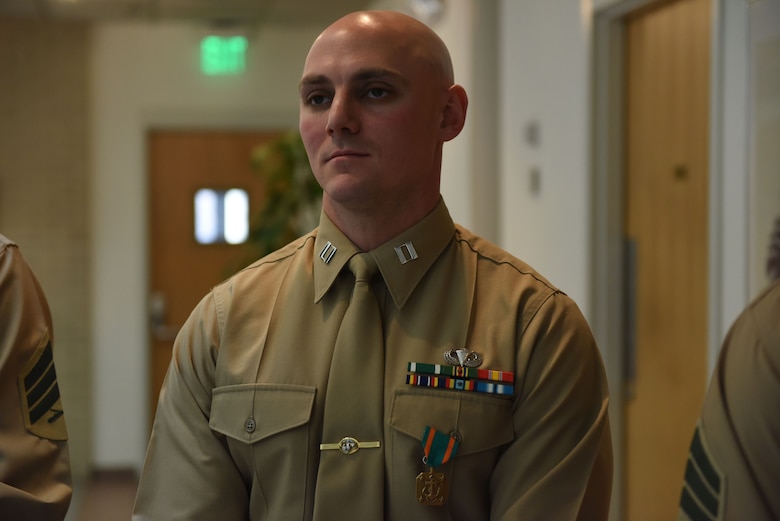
[{"x": 454, "y": 114}]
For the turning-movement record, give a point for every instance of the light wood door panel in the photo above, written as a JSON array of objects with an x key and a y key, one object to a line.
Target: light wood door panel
[{"x": 667, "y": 96}]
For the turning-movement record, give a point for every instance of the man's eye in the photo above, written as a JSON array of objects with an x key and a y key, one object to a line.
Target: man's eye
[
  {"x": 376, "y": 93},
  {"x": 317, "y": 99}
]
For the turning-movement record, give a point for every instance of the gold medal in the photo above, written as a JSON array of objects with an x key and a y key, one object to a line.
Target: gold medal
[{"x": 432, "y": 488}]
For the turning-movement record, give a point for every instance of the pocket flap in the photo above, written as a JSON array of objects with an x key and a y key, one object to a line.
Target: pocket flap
[
  {"x": 483, "y": 422},
  {"x": 252, "y": 412}
]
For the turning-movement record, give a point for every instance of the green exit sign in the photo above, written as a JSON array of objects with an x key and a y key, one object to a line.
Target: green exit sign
[{"x": 220, "y": 55}]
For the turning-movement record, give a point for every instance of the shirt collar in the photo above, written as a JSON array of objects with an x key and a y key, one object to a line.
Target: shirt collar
[{"x": 403, "y": 260}]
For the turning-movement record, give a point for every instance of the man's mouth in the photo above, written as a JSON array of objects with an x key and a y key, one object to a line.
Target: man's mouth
[{"x": 345, "y": 153}]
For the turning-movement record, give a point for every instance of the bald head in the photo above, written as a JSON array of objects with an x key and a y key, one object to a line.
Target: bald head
[
  {"x": 398, "y": 33},
  {"x": 377, "y": 104}
]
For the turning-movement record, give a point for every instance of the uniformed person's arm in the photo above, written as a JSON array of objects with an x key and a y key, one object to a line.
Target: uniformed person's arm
[
  {"x": 189, "y": 473},
  {"x": 35, "y": 481},
  {"x": 733, "y": 466},
  {"x": 559, "y": 465}
]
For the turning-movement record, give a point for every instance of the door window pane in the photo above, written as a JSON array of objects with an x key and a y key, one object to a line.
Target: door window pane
[{"x": 221, "y": 216}]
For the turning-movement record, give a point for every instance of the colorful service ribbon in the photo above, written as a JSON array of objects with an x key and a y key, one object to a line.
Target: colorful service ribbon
[
  {"x": 461, "y": 372},
  {"x": 459, "y": 384}
]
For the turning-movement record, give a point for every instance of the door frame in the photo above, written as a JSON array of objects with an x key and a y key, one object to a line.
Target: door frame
[{"x": 728, "y": 174}]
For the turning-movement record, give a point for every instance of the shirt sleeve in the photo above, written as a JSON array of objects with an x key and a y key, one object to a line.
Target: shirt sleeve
[
  {"x": 559, "y": 465},
  {"x": 733, "y": 463},
  {"x": 35, "y": 480},
  {"x": 189, "y": 473}
]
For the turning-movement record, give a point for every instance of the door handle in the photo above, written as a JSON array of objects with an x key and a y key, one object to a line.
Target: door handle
[{"x": 158, "y": 311}]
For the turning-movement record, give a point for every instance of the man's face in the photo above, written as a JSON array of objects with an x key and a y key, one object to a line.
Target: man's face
[{"x": 370, "y": 118}]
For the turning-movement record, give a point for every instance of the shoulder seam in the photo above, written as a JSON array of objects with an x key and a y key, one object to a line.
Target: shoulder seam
[
  {"x": 533, "y": 274},
  {"x": 274, "y": 257}
]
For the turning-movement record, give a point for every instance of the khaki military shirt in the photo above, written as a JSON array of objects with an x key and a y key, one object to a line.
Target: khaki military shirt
[
  {"x": 35, "y": 481},
  {"x": 238, "y": 427},
  {"x": 733, "y": 469}
]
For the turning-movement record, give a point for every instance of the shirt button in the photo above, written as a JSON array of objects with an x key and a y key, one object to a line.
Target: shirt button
[{"x": 250, "y": 425}]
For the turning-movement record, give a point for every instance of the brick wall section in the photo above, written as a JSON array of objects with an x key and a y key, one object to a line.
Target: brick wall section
[{"x": 44, "y": 170}]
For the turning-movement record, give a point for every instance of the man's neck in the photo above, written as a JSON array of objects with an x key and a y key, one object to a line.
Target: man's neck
[{"x": 370, "y": 229}]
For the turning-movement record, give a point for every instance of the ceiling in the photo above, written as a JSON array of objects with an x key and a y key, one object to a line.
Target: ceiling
[{"x": 274, "y": 11}]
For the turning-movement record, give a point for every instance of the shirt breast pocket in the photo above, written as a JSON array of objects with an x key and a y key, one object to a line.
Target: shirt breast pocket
[
  {"x": 267, "y": 427},
  {"x": 481, "y": 423}
]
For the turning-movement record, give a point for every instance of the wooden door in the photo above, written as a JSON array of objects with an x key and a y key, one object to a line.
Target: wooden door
[
  {"x": 181, "y": 269},
  {"x": 667, "y": 107}
]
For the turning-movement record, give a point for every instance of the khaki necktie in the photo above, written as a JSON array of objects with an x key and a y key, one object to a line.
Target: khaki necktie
[{"x": 350, "y": 479}]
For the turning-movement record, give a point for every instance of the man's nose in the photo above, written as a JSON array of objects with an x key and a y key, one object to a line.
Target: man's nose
[{"x": 343, "y": 116}]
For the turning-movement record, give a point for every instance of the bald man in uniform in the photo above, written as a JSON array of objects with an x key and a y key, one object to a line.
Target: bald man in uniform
[
  {"x": 478, "y": 393},
  {"x": 35, "y": 480}
]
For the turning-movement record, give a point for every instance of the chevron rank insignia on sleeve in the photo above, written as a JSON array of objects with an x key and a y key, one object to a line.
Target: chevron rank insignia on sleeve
[{"x": 40, "y": 395}]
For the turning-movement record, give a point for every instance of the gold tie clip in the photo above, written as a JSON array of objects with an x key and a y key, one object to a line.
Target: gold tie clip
[{"x": 349, "y": 445}]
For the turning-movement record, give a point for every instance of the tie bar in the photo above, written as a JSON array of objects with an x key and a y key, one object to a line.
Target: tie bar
[{"x": 349, "y": 445}]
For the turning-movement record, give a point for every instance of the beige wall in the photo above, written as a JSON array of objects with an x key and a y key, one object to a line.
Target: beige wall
[{"x": 44, "y": 174}]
